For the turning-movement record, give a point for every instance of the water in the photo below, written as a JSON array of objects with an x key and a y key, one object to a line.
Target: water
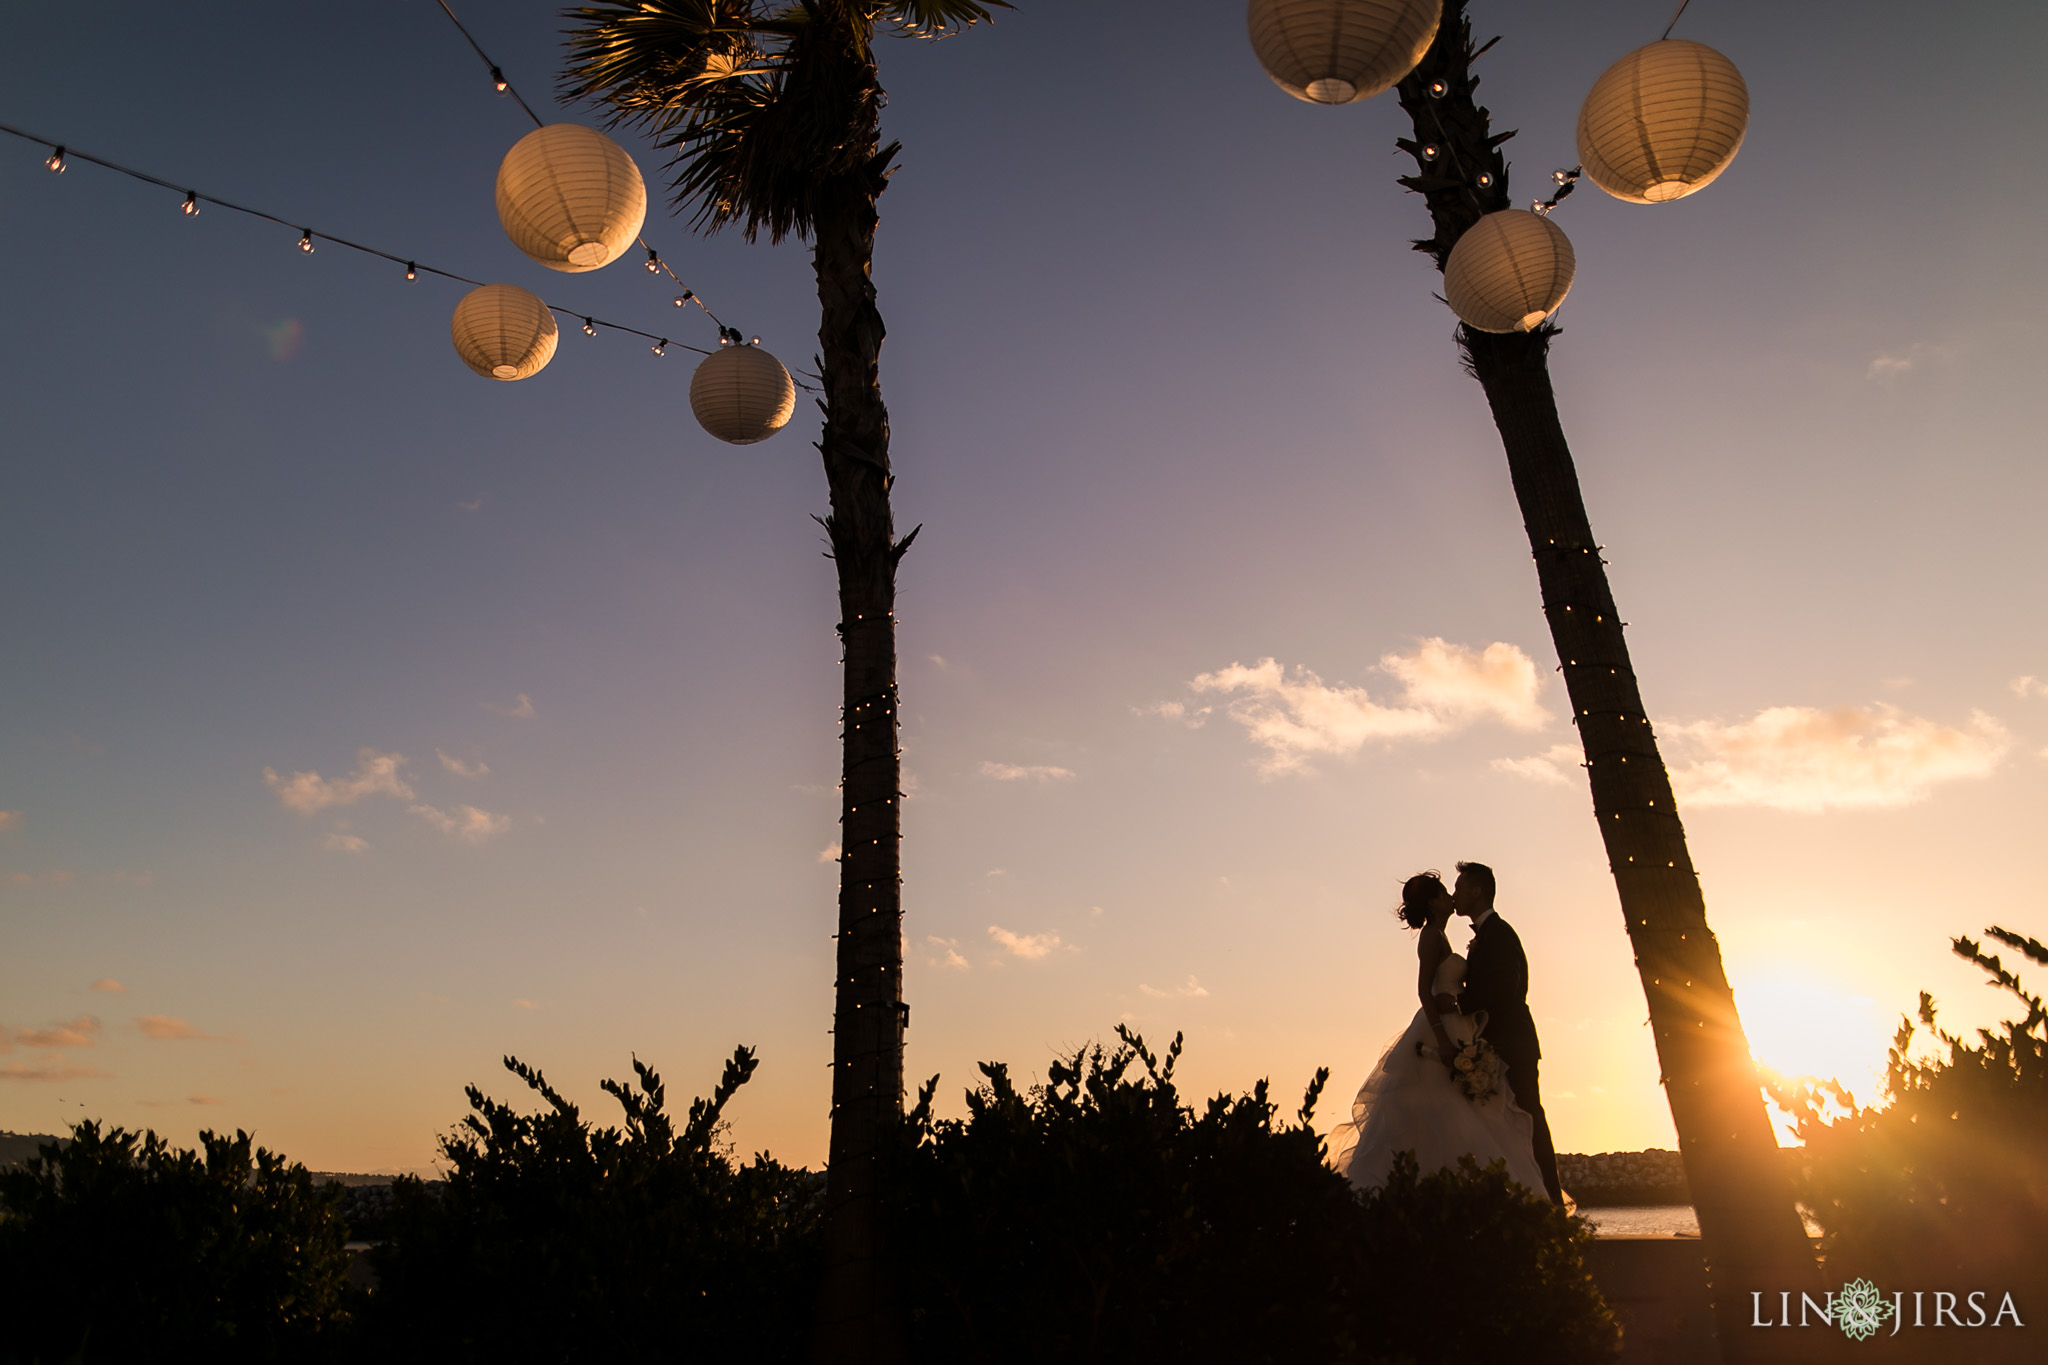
[
  {"x": 1656, "y": 1220},
  {"x": 1651, "y": 1220}
]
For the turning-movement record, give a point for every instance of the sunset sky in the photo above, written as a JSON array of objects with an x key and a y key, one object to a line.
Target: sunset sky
[{"x": 362, "y": 721}]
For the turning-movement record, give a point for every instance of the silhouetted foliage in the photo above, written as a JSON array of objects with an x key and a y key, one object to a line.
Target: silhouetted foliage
[
  {"x": 1945, "y": 1185},
  {"x": 117, "y": 1246},
  {"x": 1095, "y": 1217},
  {"x": 553, "y": 1240},
  {"x": 1464, "y": 1265},
  {"x": 1098, "y": 1218}
]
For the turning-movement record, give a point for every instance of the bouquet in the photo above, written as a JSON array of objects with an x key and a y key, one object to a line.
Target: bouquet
[{"x": 1476, "y": 1067}]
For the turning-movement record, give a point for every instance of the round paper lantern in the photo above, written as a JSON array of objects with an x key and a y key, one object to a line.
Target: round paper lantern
[
  {"x": 1509, "y": 271},
  {"x": 741, "y": 395},
  {"x": 1337, "y": 51},
  {"x": 570, "y": 197},
  {"x": 503, "y": 332},
  {"x": 1663, "y": 121}
]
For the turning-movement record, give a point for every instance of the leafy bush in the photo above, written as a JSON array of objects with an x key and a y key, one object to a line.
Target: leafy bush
[
  {"x": 1098, "y": 1218},
  {"x": 1945, "y": 1185},
  {"x": 556, "y": 1241},
  {"x": 1463, "y": 1265},
  {"x": 116, "y": 1246}
]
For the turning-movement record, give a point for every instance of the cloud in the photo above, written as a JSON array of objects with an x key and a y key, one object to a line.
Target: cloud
[
  {"x": 10, "y": 819},
  {"x": 951, "y": 948},
  {"x": 1028, "y": 946},
  {"x": 1019, "y": 772},
  {"x": 525, "y": 1004},
  {"x": 1192, "y": 989},
  {"x": 2028, "y": 686},
  {"x": 831, "y": 852},
  {"x": 1463, "y": 685},
  {"x": 1802, "y": 758},
  {"x": 166, "y": 1028},
  {"x": 110, "y": 986},
  {"x": 348, "y": 843},
  {"x": 375, "y": 775},
  {"x": 1893, "y": 364},
  {"x": 520, "y": 709},
  {"x": 204, "y": 1099},
  {"x": 473, "y": 506},
  {"x": 461, "y": 769},
  {"x": 1554, "y": 766},
  {"x": 464, "y": 822},
  {"x": 51, "y": 1068},
  {"x": 78, "y": 1032},
  {"x": 49, "y": 876},
  {"x": 1445, "y": 687}
]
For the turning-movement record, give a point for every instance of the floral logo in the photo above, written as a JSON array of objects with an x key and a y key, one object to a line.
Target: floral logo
[{"x": 1860, "y": 1310}]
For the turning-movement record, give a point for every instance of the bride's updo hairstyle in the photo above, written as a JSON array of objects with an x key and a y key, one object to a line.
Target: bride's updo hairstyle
[{"x": 1418, "y": 893}]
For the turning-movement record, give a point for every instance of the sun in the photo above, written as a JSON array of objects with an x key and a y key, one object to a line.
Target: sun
[{"x": 1800, "y": 1023}]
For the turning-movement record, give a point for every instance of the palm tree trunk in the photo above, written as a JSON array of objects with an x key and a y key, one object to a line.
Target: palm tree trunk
[
  {"x": 857, "y": 1320},
  {"x": 1751, "y": 1231}
]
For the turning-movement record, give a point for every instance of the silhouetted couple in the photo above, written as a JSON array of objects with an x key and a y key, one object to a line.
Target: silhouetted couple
[{"x": 1462, "y": 1079}]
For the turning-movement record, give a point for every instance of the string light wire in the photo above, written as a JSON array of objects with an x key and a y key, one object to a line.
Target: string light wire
[
  {"x": 497, "y": 76},
  {"x": 307, "y": 236}
]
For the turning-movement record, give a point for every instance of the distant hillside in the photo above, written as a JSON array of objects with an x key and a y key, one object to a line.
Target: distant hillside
[{"x": 16, "y": 1148}]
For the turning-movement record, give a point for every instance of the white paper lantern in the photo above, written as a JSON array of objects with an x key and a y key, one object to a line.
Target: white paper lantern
[
  {"x": 570, "y": 197},
  {"x": 1509, "y": 271},
  {"x": 1337, "y": 51},
  {"x": 1663, "y": 121},
  {"x": 503, "y": 332},
  {"x": 741, "y": 394}
]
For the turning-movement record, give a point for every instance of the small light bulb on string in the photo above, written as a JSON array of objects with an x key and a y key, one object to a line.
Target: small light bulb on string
[
  {"x": 55, "y": 160},
  {"x": 590, "y": 327},
  {"x": 653, "y": 261},
  {"x": 1485, "y": 180},
  {"x": 1561, "y": 176},
  {"x": 684, "y": 298},
  {"x": 411, "y": 270},
  {"x": 1438, "y": 89},
  {"x": 1430, "y": 151},
  {"x": 306, "y": 241},
  {"x": 660, "y": 347},
  {"x": 191, "y": 203},
  {"x": 498, "y": 79},
  {"x": 755, "y": 342}
]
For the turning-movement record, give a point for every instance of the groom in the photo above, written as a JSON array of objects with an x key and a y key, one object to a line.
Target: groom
[{"x": 1497, "y": 981}]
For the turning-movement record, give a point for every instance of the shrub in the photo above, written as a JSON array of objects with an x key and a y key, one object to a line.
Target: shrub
[
  {"x": 556, "y": 1241},
  {"x": 1945, "y": 1185},
  {"x": 1462, "y": 1265},
  {"x": 116, "y": 1246},
  {"x": 1098, "y": 1218}
]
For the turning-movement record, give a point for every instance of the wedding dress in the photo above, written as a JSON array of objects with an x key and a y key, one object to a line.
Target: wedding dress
[{"x": 1411, "y": 1103}]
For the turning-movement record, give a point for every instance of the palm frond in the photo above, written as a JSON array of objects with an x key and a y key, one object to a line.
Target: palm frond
[
  {"x": 934, "y": 18},
  {"x": 762, "y": 106}
]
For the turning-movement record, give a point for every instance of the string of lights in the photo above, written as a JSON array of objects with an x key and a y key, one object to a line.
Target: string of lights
[
  {"x": 62, "y": 154},
  {"x": 655, "y": 264},
  {"x": 1566, "y": 181}
]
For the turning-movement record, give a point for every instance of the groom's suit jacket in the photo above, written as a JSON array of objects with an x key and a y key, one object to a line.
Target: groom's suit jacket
[{"x": 1497, "y": 981}]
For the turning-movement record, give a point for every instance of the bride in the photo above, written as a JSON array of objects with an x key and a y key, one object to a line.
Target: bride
[{"x": 1412, "y": 1102}]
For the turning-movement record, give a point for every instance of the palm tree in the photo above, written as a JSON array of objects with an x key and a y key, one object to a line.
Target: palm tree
[
  {"x": 1752, "y": 1233},
  {"x": 773, "y": 112}
]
